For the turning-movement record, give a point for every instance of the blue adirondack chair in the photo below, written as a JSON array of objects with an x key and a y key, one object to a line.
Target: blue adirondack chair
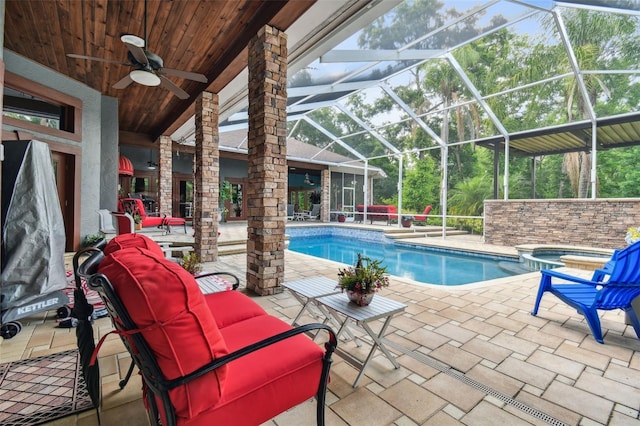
[{"x": 587, "y": 296}]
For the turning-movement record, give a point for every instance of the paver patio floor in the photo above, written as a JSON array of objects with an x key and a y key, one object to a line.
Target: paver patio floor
[{"x": 469, "y": 355}]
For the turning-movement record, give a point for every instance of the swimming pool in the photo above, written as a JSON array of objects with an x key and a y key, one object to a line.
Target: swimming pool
[{"x": 422, "y": 264}]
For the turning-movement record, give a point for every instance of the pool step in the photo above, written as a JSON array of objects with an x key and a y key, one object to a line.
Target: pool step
[
  {"x": 229, "y": 247},
  {"x": 403, "y": 235},
  {"x": 449, "y": 232},
  {"x": 420, "y": 232}
]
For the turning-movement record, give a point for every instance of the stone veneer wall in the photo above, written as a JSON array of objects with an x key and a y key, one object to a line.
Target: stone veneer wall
[
  {"x": 267, "y": 165},
  {"x": 207, "y": 176},
  {"x": 165, "y": 179},
  {"x": 601, "y": 223},
  {"x": 325, "y": 194}
]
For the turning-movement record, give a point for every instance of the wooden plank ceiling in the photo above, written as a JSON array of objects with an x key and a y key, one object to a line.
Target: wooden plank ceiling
[{"x": 206, "y": 37}]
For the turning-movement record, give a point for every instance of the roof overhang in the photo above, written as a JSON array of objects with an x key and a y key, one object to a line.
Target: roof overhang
[{"x": 612, "y": 132}]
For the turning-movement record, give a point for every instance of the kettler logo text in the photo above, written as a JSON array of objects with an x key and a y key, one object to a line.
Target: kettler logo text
[{"x": 37, "y": 306}]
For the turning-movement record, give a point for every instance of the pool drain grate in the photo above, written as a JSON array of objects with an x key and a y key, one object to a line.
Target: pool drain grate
[{"x": 475, "y": 384}]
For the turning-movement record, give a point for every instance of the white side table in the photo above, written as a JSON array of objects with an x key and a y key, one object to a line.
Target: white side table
[
  {"x": 306, "y": 291},
  {"x": 380, "y": 308}
]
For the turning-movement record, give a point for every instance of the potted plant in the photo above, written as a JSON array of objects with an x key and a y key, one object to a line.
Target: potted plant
[
  {"x": 362, "y": 281},
  {"x": 92, "y": 240},
  {"x": 406, "y": 221},
  {"x": 191, "y": 263},
  {"x": 222, "y": 214},
  {"x": 342, "y": 217},
  {"x": 137, "y": 219},
  {"x": 225, "y": 194}
]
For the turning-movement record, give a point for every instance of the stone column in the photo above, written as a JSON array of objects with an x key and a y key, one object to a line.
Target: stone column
[
  {"x": 207, "y": 166},
  {"x": 165, "y": 176},
  {"x": 325, "y": 194},
  {"x": 267, "y": 163}
]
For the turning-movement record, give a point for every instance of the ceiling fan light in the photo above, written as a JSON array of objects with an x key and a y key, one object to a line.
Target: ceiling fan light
[
  {"x": 145, "y": 78},
  {"x": 132, "y": 39}
]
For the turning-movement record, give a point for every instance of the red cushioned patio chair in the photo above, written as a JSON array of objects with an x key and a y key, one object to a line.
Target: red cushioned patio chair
[
  {"x": 211, "y": 281},
  {"x": 194, "y": 372}
]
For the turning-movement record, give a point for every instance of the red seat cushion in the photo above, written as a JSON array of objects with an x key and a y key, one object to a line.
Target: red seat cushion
[
  {"x": 168, "y": 307},
  {"x": 230, "y": 307},
  {"x": 265, "y": 383},
  {"x": 132, "y": 240}
]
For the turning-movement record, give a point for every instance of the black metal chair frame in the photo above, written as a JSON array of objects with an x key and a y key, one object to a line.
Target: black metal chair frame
[{"x": 143, "y": 357}]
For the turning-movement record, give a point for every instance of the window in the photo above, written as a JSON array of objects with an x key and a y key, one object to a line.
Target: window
[{"x": 49, "y": 112}]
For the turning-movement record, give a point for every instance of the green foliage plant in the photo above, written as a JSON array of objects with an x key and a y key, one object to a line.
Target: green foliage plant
[
  {"x": 367, "y": 276},
  {"x": 225, "y": 191},
  {"x": 191, "y": 263},
  {"x": 91, "y": 239}
]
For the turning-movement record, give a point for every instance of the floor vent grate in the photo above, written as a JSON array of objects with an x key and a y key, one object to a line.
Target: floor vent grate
[{"x": 475, "y": 384}]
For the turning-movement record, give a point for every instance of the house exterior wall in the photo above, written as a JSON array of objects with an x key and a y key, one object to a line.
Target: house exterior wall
[
  {"x": 601, "y": 223},
  {"x": 97, "y": 112},
  {"x": 109, "y": 155}
]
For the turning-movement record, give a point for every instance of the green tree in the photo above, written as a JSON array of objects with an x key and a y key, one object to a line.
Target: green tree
[{"x": 421, "y": 186}]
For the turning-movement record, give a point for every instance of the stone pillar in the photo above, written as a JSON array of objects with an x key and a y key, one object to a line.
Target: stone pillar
[
  {"x": 165, "y": 176},
  {"x": 267, "y": 163},
  {"x": 325, "y": 194},
  {"x": 207, "y": 166}
]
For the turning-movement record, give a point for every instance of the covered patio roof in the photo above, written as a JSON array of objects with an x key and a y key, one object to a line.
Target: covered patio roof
[{"x": 612, "y": 132}]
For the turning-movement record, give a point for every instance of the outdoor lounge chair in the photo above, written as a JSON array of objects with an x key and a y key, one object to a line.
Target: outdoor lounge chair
[
  {"x": 290, "y": 212},
  {"x": 588, "y": 296},
  {"x": 422, "y": 217},
  {"x": 135, "y": 206},
  {"x": 105, "y": 221},
  {"x": 314, "y": 213},
  {"x": 215, "y": 359},
  {"x": 124, "y": 223}
]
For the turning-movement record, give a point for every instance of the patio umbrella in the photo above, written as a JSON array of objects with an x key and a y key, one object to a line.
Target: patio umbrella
[{"x": 82, "y": 311}]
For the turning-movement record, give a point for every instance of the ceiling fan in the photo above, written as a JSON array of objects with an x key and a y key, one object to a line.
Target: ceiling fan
[
  {"x": 148, "y": 68},
  {"x": 307, "y": 180}
]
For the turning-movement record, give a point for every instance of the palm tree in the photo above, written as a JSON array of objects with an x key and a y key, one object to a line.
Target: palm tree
[{"x": 596, "y": 38}]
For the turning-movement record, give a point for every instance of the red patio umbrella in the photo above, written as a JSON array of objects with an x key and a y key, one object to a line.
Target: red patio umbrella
[{"x": 125, "y": 167}]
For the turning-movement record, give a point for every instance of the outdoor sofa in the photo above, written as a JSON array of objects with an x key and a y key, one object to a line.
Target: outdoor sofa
[{"x": 377, "y": 212}]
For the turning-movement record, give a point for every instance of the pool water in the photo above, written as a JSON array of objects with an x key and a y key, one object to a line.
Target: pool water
[{"x": 420, "y": 264}]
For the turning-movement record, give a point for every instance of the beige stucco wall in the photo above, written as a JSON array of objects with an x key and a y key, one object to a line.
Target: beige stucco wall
[{"x": 582, "y": 222}]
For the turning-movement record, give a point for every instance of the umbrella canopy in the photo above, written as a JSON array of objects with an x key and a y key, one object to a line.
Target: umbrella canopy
[
  {"x": 82, "y": 311},
  {"x": 125, "y": 167}
]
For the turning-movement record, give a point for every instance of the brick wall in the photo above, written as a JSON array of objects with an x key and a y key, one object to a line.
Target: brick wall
[{"x": 601, "y": 223}]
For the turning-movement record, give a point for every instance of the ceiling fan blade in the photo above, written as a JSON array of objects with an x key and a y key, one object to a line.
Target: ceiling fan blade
[
  {"x": 168, "y": 84},
  {"x": 138, "y": 54},
  {"x": 93, "y": 58},
  {"x": 184, "y": 74},
  {"x": 124, "y": 83}
]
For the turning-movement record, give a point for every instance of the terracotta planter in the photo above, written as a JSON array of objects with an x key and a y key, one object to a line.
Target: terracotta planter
[
  {"x": 342, "y": 218},
  {"x": 138, "y": 226},
  {"x": 406, "y": 223}
]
